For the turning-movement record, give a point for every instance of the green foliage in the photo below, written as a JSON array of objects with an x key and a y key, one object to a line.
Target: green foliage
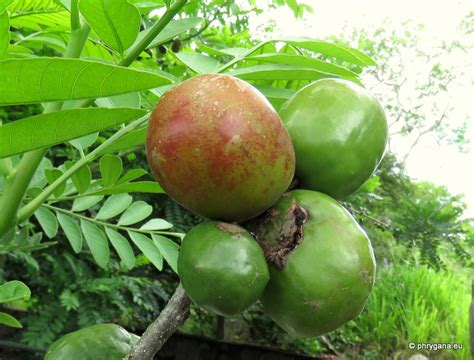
[
  {"x": 414, "y": 221},
  {"x": 12, "y": 291},
  {"x": 430, "y": 220},
  {"x": 412, "y": 304},
  {"x": 82, "y": 294}
]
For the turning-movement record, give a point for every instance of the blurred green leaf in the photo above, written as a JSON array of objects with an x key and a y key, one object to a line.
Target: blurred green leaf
[
  {"x": 48, "y": 221},
  {"x": 371, "y": 184},
  {"x": 72, "y": 231},
  {"x": 110, "y": 169},
  {"x": 278, "y": 72},
  {"x": 337, "y": 51},
  {"x": 136, "y": 212},
  {"x": 54, "y": 128},
  {"x": 34, "y": 80},
  {"x": 148, "y": 248},
  {"x": 300, "y": 60},
  {"x": 236, "y": 51},
  {"x": 130, "y": 100},
  {"x": 156, "y": 224},
  {"x": 133, "y": 139},
  {"x": 199, "y": 63},
  {"x": 84, "y": 141},
  {"x": 4, "y": 32},
  {"x": 116, "y": 22},
  {"x": 275, "y": 94},
  {"x": 38, "y": 41},
  {"x": 81, "y": 178},
  {"x": 14, "y": 290},
  {"x": 169, "y": 249},
  {"x": 4, "y": 4},
  {"x": 86, "y": 202},
  {"x": 57, "y": 20},
  {"x": 97, "y": 243},
  {"x": 173, "y": 29},
  {"x": 131, "y": 175},
  {"x": 137, "y": 186},
  {"x": 51, "y": 176},
  {"x": 9, "y": 320},
  {"x": 122, "y": 246},
  {"x": 113, "y": 206}
]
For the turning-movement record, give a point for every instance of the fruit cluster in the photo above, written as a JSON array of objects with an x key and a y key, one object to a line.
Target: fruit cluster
[{"x": 217, "y": 146}]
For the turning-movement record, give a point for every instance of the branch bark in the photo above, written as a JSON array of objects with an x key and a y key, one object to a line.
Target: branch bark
[{"x": 170, "y": 319}]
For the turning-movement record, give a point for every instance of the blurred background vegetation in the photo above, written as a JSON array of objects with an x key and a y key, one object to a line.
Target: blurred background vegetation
[{"x": 423, "y": 239}]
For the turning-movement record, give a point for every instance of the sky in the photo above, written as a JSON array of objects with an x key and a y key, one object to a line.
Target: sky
[{"x": 429, "y": 161}]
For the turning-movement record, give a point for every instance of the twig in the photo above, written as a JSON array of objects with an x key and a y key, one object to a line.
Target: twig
[
  {"x": 220, "y": 328},
  {"x": 424, "y": 132},
  {"x": 364, "y": 214},
  {"x": 330, "y": 345},
  {"x": 170, "y": 319},
  {"x": 201, "y": 30},
  {"x": 17, "y": 346}
]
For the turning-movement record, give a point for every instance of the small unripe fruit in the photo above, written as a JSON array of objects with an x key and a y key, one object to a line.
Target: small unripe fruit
[
  {"x": 339, "y": 132},
  {"x": 218, "y": 147},
  {"x": 96, "y": 342},
  {"x": 222, "y": 268}
]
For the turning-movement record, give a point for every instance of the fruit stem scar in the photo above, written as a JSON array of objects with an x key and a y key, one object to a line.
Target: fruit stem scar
[
  {"x": 230, "y": 228},
  {"x": 288, "y": 229}
]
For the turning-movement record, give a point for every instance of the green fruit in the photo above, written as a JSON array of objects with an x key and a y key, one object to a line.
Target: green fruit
[
  {"x": 96, "y": 342},
  {"x": 217, "y": 146},
  {"x": 222, "y": 268},
  {"x": 339, "y": 132},
  {"x": 323, "y": 265}
]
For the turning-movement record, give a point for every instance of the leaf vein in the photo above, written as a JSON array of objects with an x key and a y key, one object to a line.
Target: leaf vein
[
  {"x": 73, "y": 88},
  {"x": 59, "y": 124},
  {"x": 112, "y": 28},
  {"x": 18, "y": 87},
  {"x": 101, "y": 92},
  {"x": 40, "y": 79}
]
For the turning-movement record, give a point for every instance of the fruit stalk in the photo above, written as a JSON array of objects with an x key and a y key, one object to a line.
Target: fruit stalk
[
  {"x": 170, "y": 319},
  {"x": 153, "y": 33},
  {"x": 279, "y": 233}
]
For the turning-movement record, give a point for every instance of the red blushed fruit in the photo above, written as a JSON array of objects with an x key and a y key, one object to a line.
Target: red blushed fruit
[{"x": 218, "y": 147}]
